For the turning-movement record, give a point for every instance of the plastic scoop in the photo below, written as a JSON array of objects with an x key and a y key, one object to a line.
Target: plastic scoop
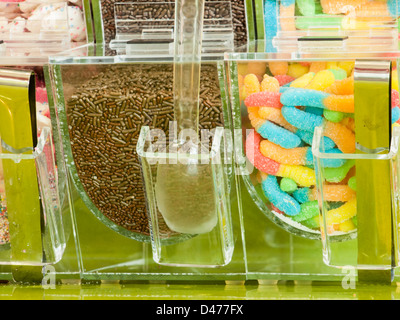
[{"x": 185, "y": 188}]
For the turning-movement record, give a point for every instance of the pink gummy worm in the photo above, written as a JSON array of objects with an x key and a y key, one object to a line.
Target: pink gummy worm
[
  {"x": 264, "y": 99},
  {"x": 284, "y": 79},
  {"x": 255, "y": 156},
  {"x": 395, "y": 98}
]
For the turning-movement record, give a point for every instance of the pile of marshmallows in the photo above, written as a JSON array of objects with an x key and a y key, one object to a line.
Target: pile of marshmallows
[{"x": 19, "y": 16}]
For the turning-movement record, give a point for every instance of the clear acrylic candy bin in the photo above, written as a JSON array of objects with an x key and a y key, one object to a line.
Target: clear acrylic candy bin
[
  {"x": 194, "y": 207},
  {"x": 278, "y": 100},
  {"x": 281, "y": 22}
]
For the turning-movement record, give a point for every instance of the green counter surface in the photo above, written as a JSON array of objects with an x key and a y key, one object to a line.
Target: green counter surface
[{"x": 174, "y": 291}]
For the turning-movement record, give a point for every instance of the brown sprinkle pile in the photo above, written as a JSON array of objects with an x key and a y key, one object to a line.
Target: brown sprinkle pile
[{"x": 105, "y": 116}]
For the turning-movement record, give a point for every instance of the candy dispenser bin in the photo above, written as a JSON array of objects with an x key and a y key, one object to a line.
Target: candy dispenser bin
[
  {"x": 111, "y": 211},
  {"x": 106, "y": 12},
  {"x": 306, "y": 195}
]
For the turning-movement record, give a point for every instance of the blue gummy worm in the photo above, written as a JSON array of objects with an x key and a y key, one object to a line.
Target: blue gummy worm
[
  {"x": 307, "y": 137},
  {"x": 326, "y": 163},
  {"x": 302, "y": 195},
  {"x": 313, "y": 110},
  {"x": 279, "y": 135},
  {"x": 284, "y": 89},
  {"x": 395, "y": 114},
  {"x": 394, "y": 7},
  {"x": 279, "y": 198},
  {"x": 304, "y": 97},
  {"x": 270, "y": 23},
  {"x": 301, "y": 119},
  {"x": 287, "y": 3}
]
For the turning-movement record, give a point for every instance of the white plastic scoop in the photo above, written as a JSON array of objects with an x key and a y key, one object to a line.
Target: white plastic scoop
[{"x": 185, "y": 190}]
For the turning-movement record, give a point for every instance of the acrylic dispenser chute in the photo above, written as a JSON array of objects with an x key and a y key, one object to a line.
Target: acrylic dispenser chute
[{"x": 315, "y": 111}]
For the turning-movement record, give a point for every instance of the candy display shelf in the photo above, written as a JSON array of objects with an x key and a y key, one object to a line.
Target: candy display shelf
[{"x": 298, "y": 192}]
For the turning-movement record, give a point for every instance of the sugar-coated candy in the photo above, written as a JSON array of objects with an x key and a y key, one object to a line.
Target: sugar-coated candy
[
  {"x": 317, "y": 66},
  {"x": 341, "y": 6},
  {"x": 270, "y": 22},
  {"x": 275, "y": 133},
  {"x": 287, "y": 3},
  {"x": 312, "y": 223},
  {"x": 395, "y": 99},
  {"x": 348, "y": 66},
  {"x": 333, "y": 116},
  {"x": 284, "y": 79},
  {"x": 284, "y": 88},
  {"x": 306, "y": 7},
  {"x": 335, "y": 175},
  {"x": 303, "y": 176},
  {"x": 347, "y": 226},
  {"x": 342, "y": 87},
  {"x": 258, "y": 68},
  {"x": 275, "y": 115},
  {"x": 339, "y": 73},
  {"x": 313, "y": 110},
  {"x": 296, "y": 156},
  {"x": 322, "y": 80},
  {"x": 343, "y": 103},
  {"x": 395, "y": 80},
  {"x": 319, "y": 99},
  {"x": 303, "y": 81},
  {"x": 307, "y": 137},
  {"x": 336, "y": 193},
  {"x": 270, "y": 84},
  {"x": 278, "y": 67},
  {"x": 296, "y": 70},
  {"x": 303, "y": 97},
  {"x": 343, "y": 213},
  {"x": 301, "y": 119},
  {"x": 275, "y": 209},
  {"x": 250, "y": 84},
  {"x": 395, "y": 114},
  {"x": 341, "y": 135},
  {"x": 288, "y": 185},
  {"x": 264, "y": 99},
  {"x": 287, "y": 17},
  {"x": 349, "y": 123},
  {"x": 352, "y": 183},
  {"x": 255, "y": 157},
  {"x": 280, "y": 199},
  {"x": 308, "y": 210}
]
